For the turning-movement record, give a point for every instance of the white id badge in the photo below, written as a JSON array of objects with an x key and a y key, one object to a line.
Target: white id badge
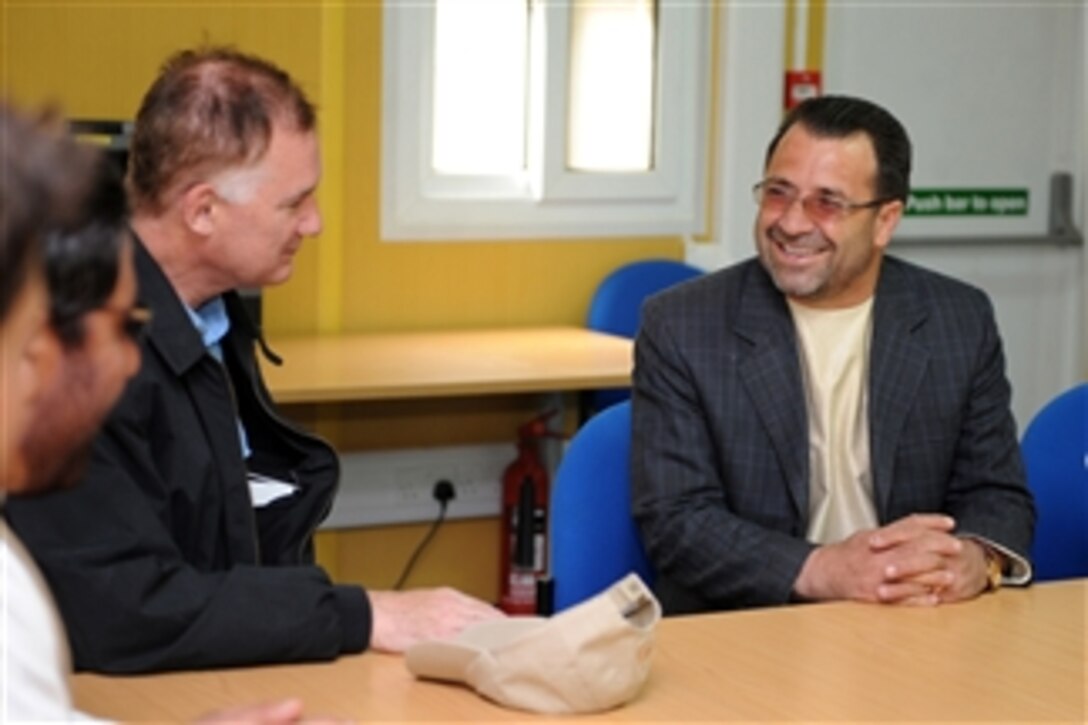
[{"x": 264, "y": 490}]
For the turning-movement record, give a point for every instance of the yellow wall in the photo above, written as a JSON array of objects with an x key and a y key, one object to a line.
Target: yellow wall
[{"x": 96, "y": 59}]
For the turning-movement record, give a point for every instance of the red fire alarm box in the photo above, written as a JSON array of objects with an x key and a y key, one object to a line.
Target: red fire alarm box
[{"x": 801, "y": 85}]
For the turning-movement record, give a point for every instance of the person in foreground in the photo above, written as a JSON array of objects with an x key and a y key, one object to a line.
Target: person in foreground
[
  {"x": 188, "y": 543},
  {"x": 826, "y": 422},
  {"x": 67, "y": 352}
]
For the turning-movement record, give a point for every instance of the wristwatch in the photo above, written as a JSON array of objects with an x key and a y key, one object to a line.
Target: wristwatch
[{"x": 994, "y": 569}]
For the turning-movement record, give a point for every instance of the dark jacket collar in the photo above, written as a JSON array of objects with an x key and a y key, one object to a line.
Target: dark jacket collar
[
  {"x": 171, "y": 332},
  {"x": 764, "y": 313}
]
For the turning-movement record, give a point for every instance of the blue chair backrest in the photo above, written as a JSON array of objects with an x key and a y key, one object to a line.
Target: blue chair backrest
[
  {"x": 618, "y": 299},
  {"x": 617, "y": 302},
  {"x": 594, "y": 540},
  {"x": 1055, "y": 450}
]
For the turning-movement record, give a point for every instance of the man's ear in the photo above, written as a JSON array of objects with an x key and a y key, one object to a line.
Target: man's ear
[
  {"x": 887, "y": 219},
  {"x": 199, "y": 208}
]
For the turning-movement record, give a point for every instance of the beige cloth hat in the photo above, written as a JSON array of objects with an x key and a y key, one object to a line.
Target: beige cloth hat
[{"x": 593, "y": 656}]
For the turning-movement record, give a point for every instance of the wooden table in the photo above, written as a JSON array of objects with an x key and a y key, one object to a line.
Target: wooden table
[
  {"x": 1017, "y": 655},
  {"x": 405, "y": 365}
]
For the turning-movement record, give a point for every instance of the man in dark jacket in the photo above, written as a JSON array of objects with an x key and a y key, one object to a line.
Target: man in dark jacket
[
  {"x": 825, "y": 422},
  {"x": 161, "y": 559}
]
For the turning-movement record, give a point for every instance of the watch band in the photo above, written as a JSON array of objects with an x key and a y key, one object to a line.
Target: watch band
[{"x": 994, "y": 569}]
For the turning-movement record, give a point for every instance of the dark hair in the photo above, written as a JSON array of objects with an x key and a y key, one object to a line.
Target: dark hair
[
  {"x": 82, "y": 256},
  {"x": 43, "y": 176},
  {"x": 842, "y": 116},
  {"x": 209, "y": 109}
]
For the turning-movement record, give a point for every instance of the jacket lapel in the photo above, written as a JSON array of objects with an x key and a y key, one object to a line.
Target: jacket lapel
[
  {"x": 173, "y": 337},
  {"x": 897, "y": 364},
  {"x": 770, "y": 371}
]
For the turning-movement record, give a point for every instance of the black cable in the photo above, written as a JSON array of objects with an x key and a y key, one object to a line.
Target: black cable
[{"x": 443, "y": 492}]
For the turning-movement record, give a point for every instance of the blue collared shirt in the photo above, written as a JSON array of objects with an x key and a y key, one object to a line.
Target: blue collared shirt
[{"x": 213, "y": 324}]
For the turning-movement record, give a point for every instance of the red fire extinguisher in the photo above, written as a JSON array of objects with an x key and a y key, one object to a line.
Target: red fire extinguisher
[{"x": 523, "y": 545}]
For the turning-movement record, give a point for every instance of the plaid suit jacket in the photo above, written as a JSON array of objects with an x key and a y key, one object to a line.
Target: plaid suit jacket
[{"x": 720, "y": 480}]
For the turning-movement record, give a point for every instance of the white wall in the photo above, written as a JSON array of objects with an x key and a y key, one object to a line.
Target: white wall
[
  {"x": 1084, "y": 187},
  {"x": 992, "y": 95},
  {"x": 752, "y": 41}
]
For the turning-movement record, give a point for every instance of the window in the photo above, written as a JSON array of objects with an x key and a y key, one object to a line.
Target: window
[
  {"x": 543, "y": 118},
  {"x": 611, "y": 81},
  {"x": 480, "y": 74}
]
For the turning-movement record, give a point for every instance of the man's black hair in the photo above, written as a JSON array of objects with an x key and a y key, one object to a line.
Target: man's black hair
[
  {"x": 842, "y": 116},
  {"x": 82, "y": 257}
]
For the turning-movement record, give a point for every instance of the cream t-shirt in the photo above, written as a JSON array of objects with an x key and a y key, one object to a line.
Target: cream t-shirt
[{"x": 834, "y": 346}]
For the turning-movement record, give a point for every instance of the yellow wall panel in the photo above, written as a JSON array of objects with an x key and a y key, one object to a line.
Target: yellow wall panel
[
  {"x": 97, "y": 59},
  {"x": 462, "y": 554}
]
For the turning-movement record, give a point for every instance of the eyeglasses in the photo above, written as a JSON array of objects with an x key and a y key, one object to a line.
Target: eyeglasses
[
  {"x": 821, "y": 207},
  {"x": 134, "y": 320}
]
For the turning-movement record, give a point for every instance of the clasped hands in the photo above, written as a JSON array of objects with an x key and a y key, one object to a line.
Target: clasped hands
[{"x": 916, "y": 560}]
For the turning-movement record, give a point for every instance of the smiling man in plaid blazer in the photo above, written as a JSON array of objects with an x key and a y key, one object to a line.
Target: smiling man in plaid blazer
[{"x": 825, "y": 422}]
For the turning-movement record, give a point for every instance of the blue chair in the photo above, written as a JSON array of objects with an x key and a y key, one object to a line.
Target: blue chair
[
  {"x": 617, "y": 302},
  {"x": 1055, "y": 451},
  {"x": 594, "y": 540}
]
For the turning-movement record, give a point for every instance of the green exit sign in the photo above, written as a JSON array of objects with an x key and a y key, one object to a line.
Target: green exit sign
[{"x": 967, "y": 202}]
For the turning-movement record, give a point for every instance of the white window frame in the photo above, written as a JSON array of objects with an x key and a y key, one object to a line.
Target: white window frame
[{"x": 549, "y": 200}]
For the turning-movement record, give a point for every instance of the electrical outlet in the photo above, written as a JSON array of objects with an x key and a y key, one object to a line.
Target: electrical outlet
[
  {"x": 478, "y": 494},
  {"x": 387, "y": 487},
  {"x": 410, "y": 485}
]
